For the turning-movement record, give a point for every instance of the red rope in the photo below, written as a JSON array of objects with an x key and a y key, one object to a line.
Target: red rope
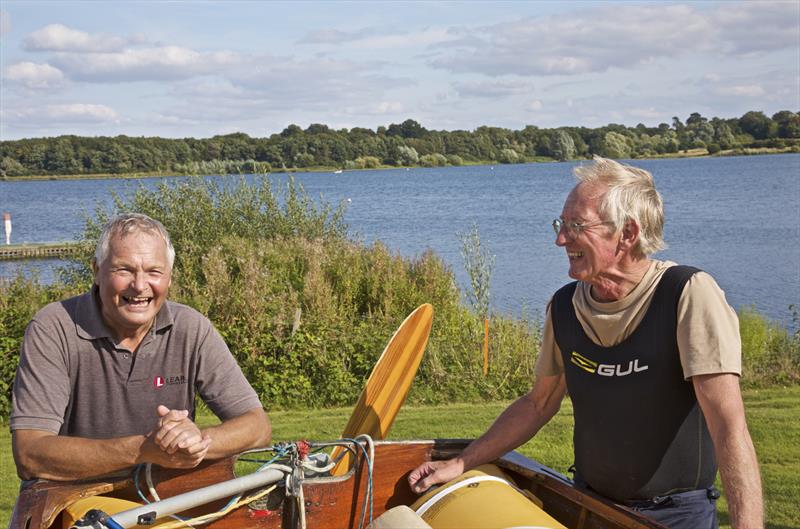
[{"x": 303, "y": 447}]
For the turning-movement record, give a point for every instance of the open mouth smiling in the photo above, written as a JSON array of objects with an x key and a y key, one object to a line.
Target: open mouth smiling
[{"x": 137, "y": 301}]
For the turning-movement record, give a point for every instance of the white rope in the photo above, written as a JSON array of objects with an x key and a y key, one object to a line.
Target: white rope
[{"x": 455, "y": 486}]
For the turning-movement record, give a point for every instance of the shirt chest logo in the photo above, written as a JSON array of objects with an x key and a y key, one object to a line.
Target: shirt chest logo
[
  {"x": 606, "y": 370},
  {"x": 159, "y": 381}
]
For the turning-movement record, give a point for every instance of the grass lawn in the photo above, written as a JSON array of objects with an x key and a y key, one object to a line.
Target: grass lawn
[{"x": 773, "y": 417}]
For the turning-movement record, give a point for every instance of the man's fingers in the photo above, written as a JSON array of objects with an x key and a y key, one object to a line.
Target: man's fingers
[
  {"x": 175, "y": 436},
  {"x": 198, "y": 448},
  {"x": 164, "y": 430},
  {"x": 173, "y": 416},
  {"x": 432, "y": 473},
  {"x": 172, "y": 439},
  {"x": 418, "y": 475}
]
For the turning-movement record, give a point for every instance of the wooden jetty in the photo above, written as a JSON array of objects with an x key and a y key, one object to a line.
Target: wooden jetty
[{"x": 38, "y": 250}]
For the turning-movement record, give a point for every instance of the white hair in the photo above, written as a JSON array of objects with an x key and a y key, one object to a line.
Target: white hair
[
  {"x": 630, "y": 195},
  {"x": 128, "y": 223}
]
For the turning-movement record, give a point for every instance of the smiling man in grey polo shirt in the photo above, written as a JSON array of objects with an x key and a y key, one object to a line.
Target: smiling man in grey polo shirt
[{"x": 108, "y": 379}]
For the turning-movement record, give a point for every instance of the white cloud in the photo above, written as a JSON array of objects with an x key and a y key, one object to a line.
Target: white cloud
[
  {"x": 747, "y": 28},
  {"x": 35, "y": 76},
  {"x": 750, "y": 90},
  {"x": 61, "y": 114},
  {"x": 621, "y": 36},
  {"x": 57, "y": 37},
  {"x": 331, "y": 36},
  {"x": 778, "y": 88},
  {"x": 144, "y": 64},
  {"x": 377, "y": 38},
  {"x": 384, "y": 107},
  {"x": 493, "y": 89},
  {"x": 534, "y": 106},
  {"x": 648, "y": 113},
  {"x": 82, "y": 112}
]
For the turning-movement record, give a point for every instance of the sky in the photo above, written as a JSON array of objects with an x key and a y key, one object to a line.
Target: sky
[{"x": 201, "y": 68}]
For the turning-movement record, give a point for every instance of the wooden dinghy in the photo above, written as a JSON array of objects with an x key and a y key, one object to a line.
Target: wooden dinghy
[{"x": 322, "y": 501}]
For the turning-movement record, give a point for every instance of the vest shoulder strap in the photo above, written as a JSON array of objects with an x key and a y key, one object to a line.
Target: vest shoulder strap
[{"x": 673, "y": 282}]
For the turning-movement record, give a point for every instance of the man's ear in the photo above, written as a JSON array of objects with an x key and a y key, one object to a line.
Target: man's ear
[
  {"x": 629, "y": 236},
  {"x": 95, "y": 269}
]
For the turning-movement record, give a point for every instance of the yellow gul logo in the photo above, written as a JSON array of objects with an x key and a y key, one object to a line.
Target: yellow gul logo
[
  {"x": 583, "y": 362},
  {"x": 606, "y": 370}
]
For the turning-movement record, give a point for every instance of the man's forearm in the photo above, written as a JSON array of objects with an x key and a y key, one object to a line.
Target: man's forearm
[
  {"x": 742, "y": 481},
  {"x": 720, "y": 398},
  {"x": 517, "y": 424},
  {"x": 63, "y": 458},
  {"x": 249, "y": 430}
]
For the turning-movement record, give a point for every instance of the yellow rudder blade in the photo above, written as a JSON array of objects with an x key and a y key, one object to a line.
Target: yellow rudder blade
[{"x": 389, "y": 382}]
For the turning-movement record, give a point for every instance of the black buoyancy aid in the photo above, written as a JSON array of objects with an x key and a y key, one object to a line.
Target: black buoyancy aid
[{"x": 639, "y": 431}]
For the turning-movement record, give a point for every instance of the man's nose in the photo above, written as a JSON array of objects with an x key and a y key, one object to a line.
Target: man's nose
[
  {"x": 561, "y": 237},
  {"x": 139, "y": 282}
]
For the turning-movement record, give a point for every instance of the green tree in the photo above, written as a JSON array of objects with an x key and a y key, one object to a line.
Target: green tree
[
  {"x": 758, "y": 125},
  {"x": 10, "y": 167},
  {"x": 407, "y": 129},
  {"x": 291, "y": 131},
  {"x": 788, "y": 124},
  {"x": 407, "y": 155},
  {"x": 616, "y": 145},
  {"x": 723, "y": 135},
  {"x": 508, "y": 156},
  {"x": 562, "y": 146}
]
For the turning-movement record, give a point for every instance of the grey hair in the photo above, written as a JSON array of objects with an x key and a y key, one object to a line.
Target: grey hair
[
  {"x": 630, "y": 195},
  {"x": 128, "y": 223}
]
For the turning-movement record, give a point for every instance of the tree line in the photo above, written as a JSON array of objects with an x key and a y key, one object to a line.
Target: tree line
[{"x": 403, "y": 144}]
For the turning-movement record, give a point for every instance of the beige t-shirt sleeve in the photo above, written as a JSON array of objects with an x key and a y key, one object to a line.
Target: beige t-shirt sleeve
[
  {"x": 708, "y": 329},
  {"x": 549, "y": 362}
]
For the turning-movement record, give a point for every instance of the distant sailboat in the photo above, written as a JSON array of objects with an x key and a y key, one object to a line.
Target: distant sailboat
[{"x": 338, "y": 171}]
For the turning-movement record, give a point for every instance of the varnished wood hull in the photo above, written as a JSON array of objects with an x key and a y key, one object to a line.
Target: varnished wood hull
[{"x": 335, "y": 502}]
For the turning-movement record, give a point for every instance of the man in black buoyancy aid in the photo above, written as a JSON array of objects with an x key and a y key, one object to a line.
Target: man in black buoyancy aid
[{"x": 650, "y": 355}]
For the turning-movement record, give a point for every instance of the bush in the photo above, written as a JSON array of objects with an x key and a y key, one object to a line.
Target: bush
[
  {"x": 20, "y": 299},
  {"x": 509, "y": 156},
  {"x": 455, "y": 160},
  {"x": 224, "y": 167},
  {"x": 770, "y": 353},
  {"x": 371, "y": 162},
  {"x": 305, "y": 309},
  {"x": 433, "y": 160}
]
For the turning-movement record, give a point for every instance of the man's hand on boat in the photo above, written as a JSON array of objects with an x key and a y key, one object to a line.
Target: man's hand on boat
[{"x": 434, "y": 472}]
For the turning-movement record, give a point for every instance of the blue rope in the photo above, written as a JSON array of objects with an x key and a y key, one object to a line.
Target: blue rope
[{"x": 369, "y": 481}]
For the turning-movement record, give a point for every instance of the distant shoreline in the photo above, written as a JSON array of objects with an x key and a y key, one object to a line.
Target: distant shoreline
[{"x": 691, "y": 153}]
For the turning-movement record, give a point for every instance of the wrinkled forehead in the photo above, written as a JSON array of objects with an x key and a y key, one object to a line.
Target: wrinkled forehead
[
  {"x": 583, "y": 201},
  {"x": 149, "y": 239}
]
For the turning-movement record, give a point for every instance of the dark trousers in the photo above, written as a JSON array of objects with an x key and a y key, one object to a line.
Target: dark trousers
[{"x": 696, "y": 509}]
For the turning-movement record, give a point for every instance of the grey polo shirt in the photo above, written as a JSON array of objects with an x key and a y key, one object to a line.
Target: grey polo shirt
[{"x": 74, "y": 380}]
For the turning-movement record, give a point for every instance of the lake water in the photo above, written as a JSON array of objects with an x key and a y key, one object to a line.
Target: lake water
[{"x": 735, "y": 217}]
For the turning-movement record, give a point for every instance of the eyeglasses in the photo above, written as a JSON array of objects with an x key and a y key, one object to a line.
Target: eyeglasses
[{"x": 573, "y": 229}]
